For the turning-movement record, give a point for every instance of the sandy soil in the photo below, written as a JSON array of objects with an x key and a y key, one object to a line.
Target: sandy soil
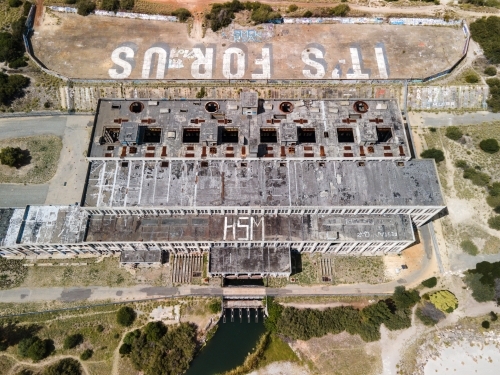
[{"x": 282, "y": 368}]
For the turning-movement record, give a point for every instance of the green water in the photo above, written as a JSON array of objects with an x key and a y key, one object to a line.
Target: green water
[{"x": 230, "y": 345}]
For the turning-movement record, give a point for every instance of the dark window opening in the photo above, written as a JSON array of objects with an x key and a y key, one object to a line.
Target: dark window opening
[
  {"x": 183, "y": 110},
  {"x": 124, "y": 164},
  {"x": 191, "y": 135},
  {"x": 384, "y": 134},
  {"x": 136, "y": 107},
  {"x": 164, "y": 164},
  {"x": 268, "y": 135},
  {"x": 204, "y": 164},
  {"x": 212, "y": 107},
  {"x": 306, "y": 135},
  {"x": 325, "y": 134},
  {"x": 286, "y": 107},
  {"x": 151, "y": 135},
  {"x": 229, "y": 135},
  {"x": 345, "y": 135},
  {"x": 111, "y": 135}
]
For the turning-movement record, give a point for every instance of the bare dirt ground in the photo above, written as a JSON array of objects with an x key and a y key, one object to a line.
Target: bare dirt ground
[{"x": 81, "y": 47}]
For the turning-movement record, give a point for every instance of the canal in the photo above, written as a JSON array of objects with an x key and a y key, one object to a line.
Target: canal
[{"x": 232, "y": 342}]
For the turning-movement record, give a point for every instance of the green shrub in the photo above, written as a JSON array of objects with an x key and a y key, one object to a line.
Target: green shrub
[
  {"x": 429, "y": 314},
  {"x": 469, "y": 247},
  {"x": 432, "y": 129},
  {"x": 293, "y": 8},
  {"x": 485, "y": 31},
  {"x": 453, "y": 133},
  {"x": 485, "y": 324},
  {"x": 340, "y": 10},
  {"x": 26, "y": 8},
  {"x": 307, "y": 14},
  {"x": 490, "y": 71},
  {"x": 12, "y": 156},
  {"x": 481, "y": 292},
  {"x": 489, "y": 145},
  {"x": 471, "y": 77},
  {"x": 494, "y": 222},
  {"x": 494, "y": 189},
  {"x": 476, "y": 177},
  {"x": 11, "y": 48},
  {"x": 127, "y": 4},
  {"x": 444, "y": 300},
  {"x": 202, "y": 93},
  {"x": 182, "y": 14},
  {"x": 12, "y": 87},
  {"x": 494, "y": 99},
  {"x": 430, "y": 283},
  {"x": 461, "y": 164},
  {"x": 493, "y": 201},
  {"x": 66, "y": 366},
  {"x": 274, "y": 310},
  {"x": 85, "y": 7},
  {"x": 405, "y": 299},
  {"x": 433, "y": 153},
  {"x": 18, "y": 63},
  {"x": 34, "y": 348},
  {"x": 221, "y": 15},
  {"x": 100, "y": 328},
  {"x": 125, "y": 316},
  {"x": 154, "y": 331},
  {"x": 110, "y": 5},
  {"x": 87, "y": 353},
  {"x": 493, "y": 316},
  {"x": 125, "y": 349},
  {"x": 15, "y": 3},
  {"x": 262, "y": 13},
  {"x": 72, "y": 341},
  {"x": 70, "y": 1},
  {"x": 215, "y": 306}
]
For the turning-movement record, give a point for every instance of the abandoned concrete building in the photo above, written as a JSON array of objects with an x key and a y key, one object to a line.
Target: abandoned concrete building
[{"x": 246, "y": 181}]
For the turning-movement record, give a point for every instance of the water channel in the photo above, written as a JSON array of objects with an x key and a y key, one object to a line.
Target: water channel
[{"x": 235, "y": 338}]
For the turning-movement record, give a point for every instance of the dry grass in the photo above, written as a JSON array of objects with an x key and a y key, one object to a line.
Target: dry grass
[
  {"x": 6, "y": 363},
  {"x": 350, "y": 270},
  {"x": 341, "y": 354},
  {"x": 44, "y": 152},
  {"x": 106, "y": 273},
  {"x": 152, "y": 7},
  {"x": 8, "y": 14}
]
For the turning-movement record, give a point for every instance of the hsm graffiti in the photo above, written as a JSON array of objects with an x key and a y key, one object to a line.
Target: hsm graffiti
[
  {"x": 244, "y": 227},
  {"x": 235, "y": 64}
]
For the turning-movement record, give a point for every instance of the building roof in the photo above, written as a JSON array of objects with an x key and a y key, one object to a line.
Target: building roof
[
  {"x": 269, "y": 228},
  {"x": 245, "y": 260},
  {"x": 262, "y": 183}
]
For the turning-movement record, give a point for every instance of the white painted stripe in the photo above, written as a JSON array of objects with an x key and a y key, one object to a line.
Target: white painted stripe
[
  {"x": 356, "y": 66},
  {"x": 382, "y": 68}
]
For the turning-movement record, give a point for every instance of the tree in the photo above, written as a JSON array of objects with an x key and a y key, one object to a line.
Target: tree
[
  {"x": 85, "y": 7},
  {"x": 454, "y": 133},
  {"x": 125, "y": 349},
  {"x": 66, "y": 366},
  {"x": 11, "y": 48},
  {"x": 486, "y": 31},
  {"x": 12, "y": 156},
  {"x": 15, "y": 3},
  {"x": 34, "y": 348},
  {"x": 433, "y": 153},
  {"x": 125, "y": 316},
  {"x": 72, "y": 341},
  {"x": 430, "y": 283},
  {"x": 154, "y": 331},
  {"x": 471, "y": 77},
  {"x": 485, "y": 324},
  {"x": 340, "y": 10},
  {"x": 480, "y": 292},
  {"x": 490, "y": 71},
  {"x": 12, "y": 86},
  {"x": 274, "y": 310},
  {"x": 489, "y": 145},
  {"x": 110, "y": 5},
  {"x": 182, "y": 14},
  {"x": 307, "y": 14},
  {"x": 292, "y": 8},
  {"x": 405, "y": 299},
  {"x": 127, "y": 4}
]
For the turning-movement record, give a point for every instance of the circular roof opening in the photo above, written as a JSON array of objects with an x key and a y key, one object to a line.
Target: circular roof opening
[
  {"x": 136, "y": 107},
  {"x": 286, "y": 107},
  {"x": 212, "y": 107},
  {"x": 360, "y": 107}
]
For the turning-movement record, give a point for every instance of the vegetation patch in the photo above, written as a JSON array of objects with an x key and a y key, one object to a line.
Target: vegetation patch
[
  {"x": 482, "y": 280},
  {"x": 429, "y": 314},
  {"x": 430, "y": 283},
  {"x": 12, "y": 273},
  {"x": 494, "y": 100},
  {"x": 489, "y": 145},
  {"x": 433, "y": 153},
  {"x": 11, "y": 86},
  {"x": 486, "y": 31},
  {"x": 469, "y": 247},
  {"x": 454, "y": 133},
  {"x": 444, "y": 300}
]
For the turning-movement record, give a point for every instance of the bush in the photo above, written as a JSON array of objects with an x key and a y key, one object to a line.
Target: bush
[
  {"x": 340, "y": 10},
  {"x": 476, "y": 177},
  {"x": 87, "y": 353},
  {"x": 293, "y": 8},
  {"x": 85, "y": 7},
  {"x": 461, "y": 164},
  {"x": 127, "y": 4},
  {"x": 34, "y": 348},
  {"x": 70, "y": 1},
  {"x": 489, "y": 145},
  {"x": 432, "y": 129},
  {"x": 429, "y": 314},
  {"x": 494, "y": 99},
  {"x": 26, "y": 8},
  {"x": 72, "y": 341},
  {"x": 110, "y": 5},
  {"x": 307, "y": 14},
  {"x": 471, "y": 77},
  {"x": 490, "y": 71},
  {"x": 182, "y": 14},
  {"x": 12, "y": 156},
  {"x": 480, "y": 292},
  {"x": 469, "y": 247},
  {"x": 18, "y": 63},
  {"x": 125, "y": 349},
  {"x": 262, "y": 13},
  {"x": 66, "y": 366},
  {"x": 125, "y": 316},
  {"x": 15, "y": 3},
  {"x": 154, "y": 331},
  {"x": 485, "y": 324},
  {"x": 430, "y": 283},
  {"x": 433, "y": 153},
  {"x": 494, "y": 189},
  {"x": 444, "y": 300},
  {"x": 221, "y": 15},
  {"x": 405, "y": 299},
  {"x": 11, "y": 47},
  {"x": 12, "y": 87},
  {"x": 494, "y": 222},
  {"x": 493, "y": 316},
  {"x": 486, "y": 31},
  {"x": 453, "y": 133},
  {"x": 215, "y": 306},
  {"x": 100, "y": 328},
  {"x": 274, "y": 310}
]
